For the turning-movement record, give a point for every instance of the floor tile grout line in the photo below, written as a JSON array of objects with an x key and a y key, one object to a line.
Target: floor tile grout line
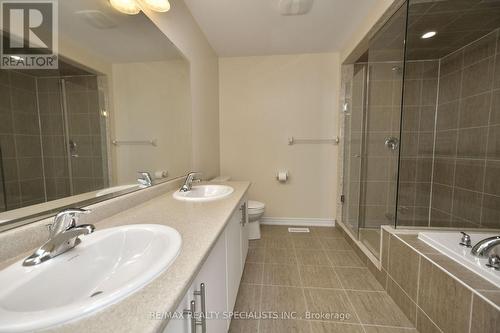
[
  {"x": 302, "y": 286},
  {"x": 350, "y": 302}
]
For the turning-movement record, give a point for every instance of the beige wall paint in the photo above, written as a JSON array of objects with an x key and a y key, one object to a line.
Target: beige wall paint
[
  {"x": 364, "y": 28},
  {"x": 265, "y": 100},
  {"x": 180, "y": 27},
  {"x": 152, "y": 101}
]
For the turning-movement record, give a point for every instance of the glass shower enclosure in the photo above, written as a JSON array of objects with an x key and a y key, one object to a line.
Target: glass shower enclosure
[{"x": 421, "y": 122}]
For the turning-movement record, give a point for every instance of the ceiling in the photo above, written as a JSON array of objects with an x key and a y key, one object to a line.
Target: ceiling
[
  {"x": 126, "y": 38},
  {"x": 456, "y": 22},
  {"x": 255, "y": 27}
]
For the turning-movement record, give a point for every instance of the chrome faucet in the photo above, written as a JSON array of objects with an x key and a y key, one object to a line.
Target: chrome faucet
[
  {"x": 190, "y": 178},
  {"x": 483, "y": 248},
  {"x": 145, "y": 179},
  {"x": 63, "y": 236}
]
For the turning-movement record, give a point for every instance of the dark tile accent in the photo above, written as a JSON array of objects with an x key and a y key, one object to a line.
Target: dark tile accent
[
  {"x": 469, "y": 174},
  {"x": 478, "y": 78},
  {"x": 449, "y": 87},
  {"x": 494, "y": 142},
  {"x": 475, "y": 110},
  {"x": 446, "y": 143},
  {"x": 472, "y": 143},
  {"x": 441, "y": 197},
  {"x": 424, "y": 324},
  {"x": 491, "y": 183},
  {"x": 403, "y": 301},
  {"x": 447, "y": 115},
  {"x": 438, "y": 293},
  {"x": 403, "y": 266},
  {"x": 485, "y": 318},
  {"x": 467, "y": 205},
  {"x": 481, "y": 49},
  {"x": 443, "y": 171},
  {"x": 491, "y": 212}
]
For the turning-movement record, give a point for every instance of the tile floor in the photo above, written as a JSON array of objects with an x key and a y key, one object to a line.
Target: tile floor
[{"x": 313, "y": 273}]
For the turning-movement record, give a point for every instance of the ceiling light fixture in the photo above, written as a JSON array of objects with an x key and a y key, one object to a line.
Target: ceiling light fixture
[
  {"x": 132, "y": 7},
  {"x": 429, "y": 34},
  {"x": 129, "y": 7}
]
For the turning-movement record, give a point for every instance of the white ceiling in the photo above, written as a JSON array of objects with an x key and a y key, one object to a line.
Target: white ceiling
[
  {"x": 255, "y": 27},
  {"x": 133, "y": 38}
]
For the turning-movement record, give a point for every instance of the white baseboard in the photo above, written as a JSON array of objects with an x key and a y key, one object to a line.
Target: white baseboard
[{"x": 300, "y": 222}]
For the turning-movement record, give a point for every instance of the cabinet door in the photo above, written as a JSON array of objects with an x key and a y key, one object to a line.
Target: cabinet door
[
  {"x": 213, "y": 276},
  {"x": 244, "y": 232},
  {"x": 177, "y": 325},
  {"x": 233, "y": 258}
]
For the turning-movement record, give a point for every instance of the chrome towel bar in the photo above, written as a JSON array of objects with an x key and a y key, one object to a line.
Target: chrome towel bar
[
  {"x": 135, "y": 143},
  {"x": 294, "y": 141}
]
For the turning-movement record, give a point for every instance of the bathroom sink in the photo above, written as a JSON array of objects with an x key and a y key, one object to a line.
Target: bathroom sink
[
  {"x": 104, "y": 268},
  {"x": 202, "y": 193}
]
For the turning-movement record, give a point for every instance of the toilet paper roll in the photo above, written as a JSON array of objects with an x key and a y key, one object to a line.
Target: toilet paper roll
[
  {"x": 161, "y": 174},
  {"x": 282, "y": 176}
]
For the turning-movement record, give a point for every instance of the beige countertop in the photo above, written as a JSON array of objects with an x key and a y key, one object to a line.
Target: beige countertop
[{"x": 199, "y": 224}]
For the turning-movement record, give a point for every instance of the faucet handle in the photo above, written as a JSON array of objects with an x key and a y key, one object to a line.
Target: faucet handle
[
  {"x": 465, "y": 241},
  {"x": 66, "y": 219},
  {"x": 494, "y": 262}
]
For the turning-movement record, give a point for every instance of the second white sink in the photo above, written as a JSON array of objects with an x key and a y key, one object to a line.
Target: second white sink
[
  {"x": 201, "y": 193},
  {"x": 107, "y": 266}
]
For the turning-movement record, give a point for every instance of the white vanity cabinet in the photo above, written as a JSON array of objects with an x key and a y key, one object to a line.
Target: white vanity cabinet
[{"x": 214, "y": 289}]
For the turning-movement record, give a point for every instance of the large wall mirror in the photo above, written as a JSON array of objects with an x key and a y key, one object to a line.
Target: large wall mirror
[{"x": 118, "y": 103}]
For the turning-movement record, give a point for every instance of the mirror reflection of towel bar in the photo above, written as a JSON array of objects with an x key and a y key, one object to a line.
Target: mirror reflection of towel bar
[
  {"x": 294, "y": 141},
  {"x": 135, "y": 143}
]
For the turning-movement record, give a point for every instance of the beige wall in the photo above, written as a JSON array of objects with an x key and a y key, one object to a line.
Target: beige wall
[
  {"x": 364, "y": 28},
  {"x": 180, "y": 27},
  {"x": 152, "y": 101},
  {"x": 265, "y": 100}
]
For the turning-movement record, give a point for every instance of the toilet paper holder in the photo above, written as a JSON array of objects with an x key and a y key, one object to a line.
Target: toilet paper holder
[{"x": 282, "y": 176}]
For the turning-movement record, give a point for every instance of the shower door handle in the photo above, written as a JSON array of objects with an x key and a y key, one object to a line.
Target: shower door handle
[{"x": 391, "y": 142}]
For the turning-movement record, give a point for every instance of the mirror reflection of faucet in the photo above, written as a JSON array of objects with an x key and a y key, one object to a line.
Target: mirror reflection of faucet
[{"x": 144, "y": 179}]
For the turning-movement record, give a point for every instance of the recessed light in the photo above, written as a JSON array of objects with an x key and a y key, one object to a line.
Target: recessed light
[{"x": 429, "y": 34}]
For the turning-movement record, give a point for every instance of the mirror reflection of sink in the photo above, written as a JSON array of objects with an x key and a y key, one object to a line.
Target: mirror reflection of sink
[
  {"x": 106, "y": 267},
  {"x": 202, "y": 193},
  {"x": 115, "y": 189}
]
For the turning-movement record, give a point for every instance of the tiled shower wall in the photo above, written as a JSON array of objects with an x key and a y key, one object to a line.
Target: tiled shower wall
[
  {"x": 20, "y": 140},
  {"x": 464, "y": 170},
  {"x": 466, "y": 187},
  {"x": 32, "y": 139},
  {"x": 420, "y": 95}
]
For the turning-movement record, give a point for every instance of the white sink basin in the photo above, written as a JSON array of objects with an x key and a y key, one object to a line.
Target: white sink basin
[
  {"x": 202, "y": 193},
  {"x": 106, "y": 267}
]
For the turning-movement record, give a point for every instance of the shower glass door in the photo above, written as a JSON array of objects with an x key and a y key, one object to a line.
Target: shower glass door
[{"x": 372, "y": 133}]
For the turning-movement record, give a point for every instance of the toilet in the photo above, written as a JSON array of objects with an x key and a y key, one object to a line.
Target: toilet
[{"x": 255, "y": 211}]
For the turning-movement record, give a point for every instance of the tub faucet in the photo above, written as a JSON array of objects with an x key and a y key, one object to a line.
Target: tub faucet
[
  {"x": 190, "y": 178},
  {"x": 63, "y": 236},
  {"x": 483, "y": 248}
]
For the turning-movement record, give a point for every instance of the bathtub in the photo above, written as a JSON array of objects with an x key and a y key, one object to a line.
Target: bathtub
[{"x": 448, "y": 244}]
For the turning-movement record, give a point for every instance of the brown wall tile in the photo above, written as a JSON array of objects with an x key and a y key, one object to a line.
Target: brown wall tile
[{"x": 439, "y": 293}]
